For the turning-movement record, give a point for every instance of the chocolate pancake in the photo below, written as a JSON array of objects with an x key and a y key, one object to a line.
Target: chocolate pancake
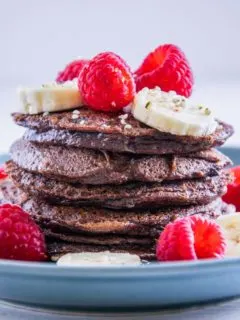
[
  {"x": 90, "y": 220},
  {"x": 11, "y": 194},
  {"x": 132, "y": 195},
  {"x": 142, "y": 246},
  {"x": 57, "y": 249},
  {"x": 105, "y": 221},
  {"x": 70, "y": 229},
  {"x": 97, "y": 220},
  {"x": 104, "y": 239},
  {"x": 96, "y": 130},
  {"x": 95, "y": 167}
]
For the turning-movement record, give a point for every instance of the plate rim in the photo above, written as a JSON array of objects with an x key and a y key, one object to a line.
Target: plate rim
[{"x": 152, "y": 269}]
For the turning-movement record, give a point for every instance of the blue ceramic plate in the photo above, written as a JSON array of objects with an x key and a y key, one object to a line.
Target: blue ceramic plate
[{"x": 152, "y": 285}]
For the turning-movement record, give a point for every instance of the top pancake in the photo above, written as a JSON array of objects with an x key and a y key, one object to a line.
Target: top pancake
[{"x": 105, "y": 131}]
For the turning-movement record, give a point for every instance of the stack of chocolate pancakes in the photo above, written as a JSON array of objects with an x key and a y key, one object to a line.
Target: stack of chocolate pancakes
[{"x": 95, "y": 181}]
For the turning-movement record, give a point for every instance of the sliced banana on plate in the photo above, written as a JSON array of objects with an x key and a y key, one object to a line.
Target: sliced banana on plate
[
  {"x": 230, "y": 224},
  {"x": 50, "y": 97},
  {"x": 104, "y": 258},
  {"x": 172, "y": 113}
]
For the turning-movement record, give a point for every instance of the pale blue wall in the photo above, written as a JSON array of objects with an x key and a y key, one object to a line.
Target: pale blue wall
[{"x": 38, "y": 37}]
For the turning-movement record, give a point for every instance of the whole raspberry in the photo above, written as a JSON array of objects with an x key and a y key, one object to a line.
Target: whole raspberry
[
  {"x": 167, "y": 68},
  {"x": 71, "y": 70},
  {"x": 3, "y": 174},
  {"x": 20, "y": 237},
  {"x": 106, "y": 83},
  {"x": 233, "y": 189},
  {"x": 191, "y": 238}
]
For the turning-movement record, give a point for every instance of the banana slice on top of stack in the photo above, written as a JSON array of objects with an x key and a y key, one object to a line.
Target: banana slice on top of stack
[
  {"x": 172, "y": 113},
  {"x": 50, "y": 97},
  {"x": 164, "y": 111}
]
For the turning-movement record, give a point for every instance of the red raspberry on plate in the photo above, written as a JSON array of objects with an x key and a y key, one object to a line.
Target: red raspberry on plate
[
  {"x": 3, "y": 174},
  {"x": 106, "y": 83},
  {"x": 166, "y": 67},
  {"x": 71, "y": 70},
  {"x": 233, "y": 189},
  {"x": 20, "y": 237},
  {"x": 191, "y": 238}
]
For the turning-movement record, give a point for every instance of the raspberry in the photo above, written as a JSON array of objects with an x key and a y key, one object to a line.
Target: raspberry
[
  {"x": 233, "y": 189},
  {"x": 3, "y": 174},
  {"x": 71, "y": 70},
  {"x": 191, "y": 238},
  {"x": 20, "y": 237},
  {"x": 167, "y": 68},
  {"x": 106, "y": 83}
]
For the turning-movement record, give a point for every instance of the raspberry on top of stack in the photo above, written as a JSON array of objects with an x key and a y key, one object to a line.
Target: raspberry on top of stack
[{"x": 111, "y": 158}]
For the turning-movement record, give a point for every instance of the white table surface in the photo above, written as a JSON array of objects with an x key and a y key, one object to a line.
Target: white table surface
[{"x": 223, "y": 98}]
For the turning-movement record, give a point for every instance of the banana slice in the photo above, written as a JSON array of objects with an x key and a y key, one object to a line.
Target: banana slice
[
  {"x": 172, "y": 113},
  {"x": 50, "y": 97},
  {"x": 230, "y": 224},
  {"x": 104, "y": 258}
]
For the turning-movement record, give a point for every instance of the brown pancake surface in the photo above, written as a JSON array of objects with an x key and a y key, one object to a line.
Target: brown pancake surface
[
  {"x": 91, "y": 220},
  {"x": 106, "y": 131},
  {"x": 131, "y": 195},
  {"x": 88, "y": 166},
  {"x": 70, "y": 229}
]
